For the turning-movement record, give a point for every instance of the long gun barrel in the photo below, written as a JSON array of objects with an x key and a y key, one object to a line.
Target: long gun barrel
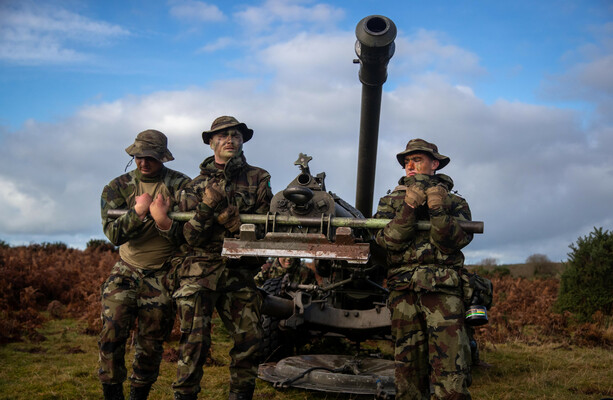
[
  {"x": 374, "y": 47},
  {"x": 273, "y": 219}
]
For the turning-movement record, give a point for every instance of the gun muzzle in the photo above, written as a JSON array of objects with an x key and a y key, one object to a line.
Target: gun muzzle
[{"x": 374, "y": 47}]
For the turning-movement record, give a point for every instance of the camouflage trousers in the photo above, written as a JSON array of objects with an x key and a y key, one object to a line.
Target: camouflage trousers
[
  {"x": 431, "y": 345},
  {"x": 239, "y": 311},
  {"x": 131, "y": 294}
]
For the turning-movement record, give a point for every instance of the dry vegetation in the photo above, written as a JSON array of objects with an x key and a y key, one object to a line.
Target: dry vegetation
[
  {"x": 66, "y": 283},
  {"x": 49, "y": 277},
  {"x": 523, "y": 311},
  {"x": 51, "y": 282}
]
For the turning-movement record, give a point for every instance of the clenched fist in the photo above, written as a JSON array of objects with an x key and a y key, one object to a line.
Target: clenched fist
[
  {"x": 436, "y": 196},
  {"x": 212, "y": 195},
  {"x": 415, "y": 196},
  {"x": 230, "y": 219}
]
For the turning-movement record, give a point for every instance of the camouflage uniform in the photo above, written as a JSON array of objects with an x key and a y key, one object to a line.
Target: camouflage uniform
[
  {"x": 134, "y": 289},
  {"x": 207, "y": 281},
  {"x": 426, "y": 302},
  {"x": 297, "y": 271}
]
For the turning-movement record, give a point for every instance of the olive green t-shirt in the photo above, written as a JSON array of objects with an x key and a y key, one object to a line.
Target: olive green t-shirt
[{"x": 149, "y": 250}]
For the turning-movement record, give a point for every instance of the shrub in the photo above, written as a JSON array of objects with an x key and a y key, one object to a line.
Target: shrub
[
  {"x": 587, "y": 283},
  {"x": 49, "y": 277},
  {"x": 100, "y": 245},
  {"x": 501, "y": 271},
  {"x": 488, "y": 262},
  {"x": 488, "y": 268},
  {"x": 543, "y": 266},
  {"x": 49, "y": 247},
  {"x": 481, "y": 271}
]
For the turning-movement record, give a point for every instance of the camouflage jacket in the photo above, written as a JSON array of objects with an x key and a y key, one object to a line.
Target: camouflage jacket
[
  {"x": 298, "y": 273},
  {"x": 246, "y": 187},
  {"x": 424, "y": 260},
  {"x": 121, "y": 193}
]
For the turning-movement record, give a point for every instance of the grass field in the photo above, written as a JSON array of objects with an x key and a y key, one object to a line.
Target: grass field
[{"x": 64, "y": 367}]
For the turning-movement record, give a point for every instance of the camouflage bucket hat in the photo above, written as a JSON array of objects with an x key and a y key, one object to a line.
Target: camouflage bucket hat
[
  {"x": 421, "y": 146},
  {"x": 226, "y": 122},
  {"x": 150, "y": 143}
]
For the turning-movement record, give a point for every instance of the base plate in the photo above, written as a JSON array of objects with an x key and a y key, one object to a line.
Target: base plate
[{"x": 332, "y": 373}]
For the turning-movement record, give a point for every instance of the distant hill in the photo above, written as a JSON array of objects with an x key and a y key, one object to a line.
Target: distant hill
[{"x": 550, "y": 269}]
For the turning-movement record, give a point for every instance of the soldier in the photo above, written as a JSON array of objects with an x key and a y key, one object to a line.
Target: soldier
[
  {"x": 226, "y": 186},
  {"x": 134, "y": 289},
  {"x": 426, "y": 302},
  {"x": 298, "y": 272}
]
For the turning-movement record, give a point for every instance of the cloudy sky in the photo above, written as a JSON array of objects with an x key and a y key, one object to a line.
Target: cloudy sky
[{"x": 518, "y": 94}]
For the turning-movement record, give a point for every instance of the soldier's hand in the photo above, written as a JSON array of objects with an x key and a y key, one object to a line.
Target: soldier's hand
[
  {"x": 230, "y": 219},
  {"x": 415, "y": 196},
  {"x": 266, "y": 266},
  {"x": 212, "y": 195},
  {"x": 436, "y": 196},
  {"x": 142, "y": 205},
  {"x": 159, "y": 211}
]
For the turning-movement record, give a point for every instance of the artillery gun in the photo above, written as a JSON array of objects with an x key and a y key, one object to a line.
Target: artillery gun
[{"x": 306, "y": 221}]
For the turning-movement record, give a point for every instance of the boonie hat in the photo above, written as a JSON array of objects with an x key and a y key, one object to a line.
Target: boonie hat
[
  {"x": 150, "y": 143},
  {"x": 420, "y": 145},
  {"x": 226, "y": 122}
]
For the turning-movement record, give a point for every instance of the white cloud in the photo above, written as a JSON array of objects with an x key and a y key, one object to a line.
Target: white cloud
[
  {"x": 588, "y": 74},
  {"x": 197, "y": 11},
  {"x": 254, "y": 28},
  {"x": 308, "y": 59},
  {"x": 38, "y": 51},
  {"x": 25, "y": 209},
  {"x": 219, "y": 44},
  {"x": 274, "y": 14},
  {"x": 427, "y": 51},
  {"x": 37, "y": 33}
]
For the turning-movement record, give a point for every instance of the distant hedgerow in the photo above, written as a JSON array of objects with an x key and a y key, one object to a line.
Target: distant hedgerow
[
  {"x": 100, "y": 245},
  {"x": 543, "y": 266},
  {"x": 586, "y": 285},
  {"x": 48, "y": 246}
]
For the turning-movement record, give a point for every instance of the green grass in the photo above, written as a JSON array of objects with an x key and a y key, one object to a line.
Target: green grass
[
  {"x": 64, "y": 367},
  {"x": 520, "y": 371}
]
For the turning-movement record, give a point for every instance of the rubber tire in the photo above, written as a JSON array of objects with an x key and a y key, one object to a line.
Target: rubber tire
[{"x": 273, "y": 286}]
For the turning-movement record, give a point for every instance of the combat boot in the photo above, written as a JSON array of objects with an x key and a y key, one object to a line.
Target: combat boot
[
  {"x": 139, "y": 392},
  {"x": 112, "y": 391},
  {"x": 240, "y": 396},
  {"x": 190, "y": 396}
]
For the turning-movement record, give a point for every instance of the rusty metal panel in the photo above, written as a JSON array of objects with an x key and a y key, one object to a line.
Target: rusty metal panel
[{"x": 297, "y": 245}]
